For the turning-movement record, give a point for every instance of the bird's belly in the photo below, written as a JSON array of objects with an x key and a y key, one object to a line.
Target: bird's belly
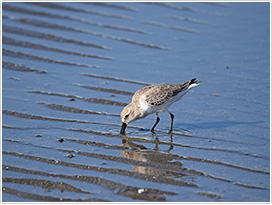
[{"x": 147, "y": 110}]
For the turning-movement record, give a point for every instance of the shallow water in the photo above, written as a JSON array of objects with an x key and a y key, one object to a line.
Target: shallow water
[{"x": 69, "y": 68}]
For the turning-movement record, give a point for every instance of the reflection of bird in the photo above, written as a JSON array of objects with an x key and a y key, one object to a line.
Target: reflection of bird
[
  {"x": 154, "y": 99},
  {"x": 153, "y": 162}
]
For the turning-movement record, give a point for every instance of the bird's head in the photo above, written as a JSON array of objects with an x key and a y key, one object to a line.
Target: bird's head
[{"x": 128, "y": 115}]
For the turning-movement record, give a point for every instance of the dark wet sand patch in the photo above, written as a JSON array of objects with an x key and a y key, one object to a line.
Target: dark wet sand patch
[
  {"x": 91, "y": 100},
  {"x": 186, "y": 19},
  {"x": 68, "y": 8},
  {"x": 47, "y": 198},
  {"x": 108, "y": 90},
  {"x": 179, "y": 28},
  {"x": 10, "y": 53},
  {"x": 114, "y": 79},
  {"x": 47, "y": 36},
  {"x": 225, "y": 164},
  {"x": 210, "y": 195},
  {"x": 27, "y": 44},
  {"x": 28, "y": 128},
  {"x": 249, "y": 186},
  {"x": 73, "y": 18},
  {"x": 220, "y": 4},
  {"x": 75, "y": 110},
  {"x": 45, "y": 24},
  {"x": 171, "y": 6},
  {"x": 45, "y": 184},
  {"x": 36, "y": 117},
  {"x": 115, "y": 6},
  {"x": 16, "y": 67},
  {"x": 104, "y": 101},
  {"x": 117, "y": 188}
]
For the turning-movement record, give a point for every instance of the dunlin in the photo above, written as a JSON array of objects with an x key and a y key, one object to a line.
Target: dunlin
[{"x": 154, "y": 99}]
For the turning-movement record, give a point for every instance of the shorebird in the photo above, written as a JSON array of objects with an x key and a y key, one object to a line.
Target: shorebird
[{"x": 154, "y": 99}]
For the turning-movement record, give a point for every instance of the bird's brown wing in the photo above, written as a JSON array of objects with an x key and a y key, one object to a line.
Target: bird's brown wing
[{"x": 159, "y": 94}]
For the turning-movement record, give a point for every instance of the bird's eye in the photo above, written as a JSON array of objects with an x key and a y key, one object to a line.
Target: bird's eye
[{"x": 126, "y": 116}]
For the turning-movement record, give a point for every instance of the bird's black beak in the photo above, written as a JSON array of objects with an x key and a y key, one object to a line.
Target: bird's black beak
[{"x": 123, "y": 128}]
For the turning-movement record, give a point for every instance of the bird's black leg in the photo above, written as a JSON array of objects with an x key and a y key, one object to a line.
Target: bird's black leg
[
  {"x": 158, "y": 119},
  {"x": 172, "y": 120}
]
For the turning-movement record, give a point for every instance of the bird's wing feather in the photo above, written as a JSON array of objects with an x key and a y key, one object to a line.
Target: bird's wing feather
[{"x": 159, "y": 94}]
